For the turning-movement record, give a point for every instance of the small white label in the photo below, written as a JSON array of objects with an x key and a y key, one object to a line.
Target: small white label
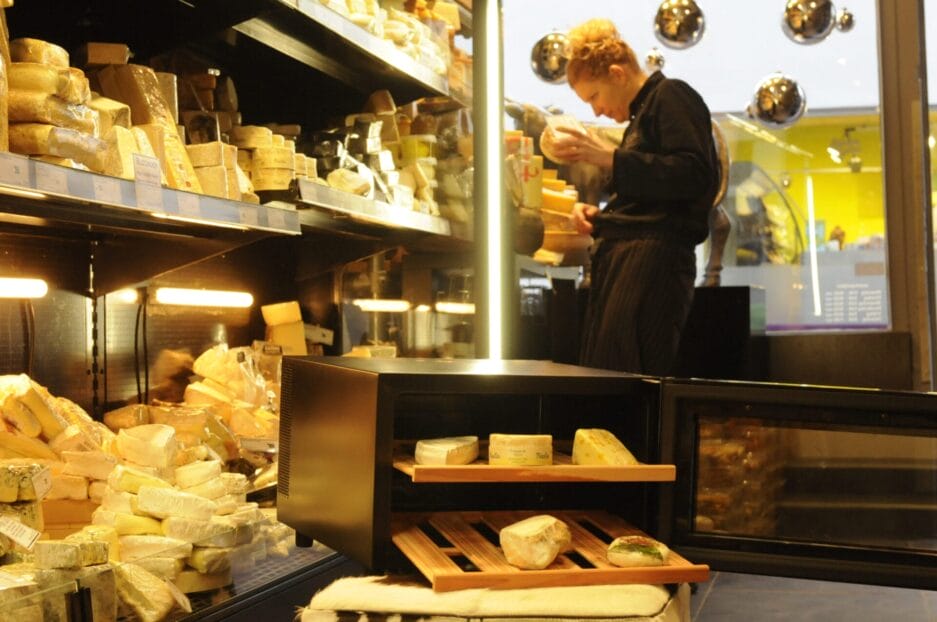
[
  {"x": 42, "y": 483},
  {"x": 276, "y": 218},
  {"x": 247, "y": 214},
  {"x": 147, "y": 177},
  {"x": 107, "y": 190},
  {"x": 181, "y": 598},
  {"x": 261, "y": 445},
  {"x": 22, "y": 534},
  {"x": 188, "y": 205},
  {"x": 51, "y": 178},
  {"x": 14, "y": 170}
]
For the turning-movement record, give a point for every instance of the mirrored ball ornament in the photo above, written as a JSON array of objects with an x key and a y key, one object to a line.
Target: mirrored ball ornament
[
  {"x": 654, "y": 60},
  {"x": 549, "y": 57},
  {"x": 778, "y": 101},
  {"x": 808, "y": 21},
  {"x": 679, "y": 24},
  {"x": 845, "y": 20}
]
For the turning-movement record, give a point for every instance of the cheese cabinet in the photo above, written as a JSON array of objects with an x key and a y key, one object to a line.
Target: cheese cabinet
[{"x": 800, "y": 481}]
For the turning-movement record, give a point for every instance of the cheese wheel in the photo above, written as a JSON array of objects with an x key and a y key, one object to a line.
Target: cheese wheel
[
  {"x": 27, "y": 50},
  {"x": 271, "y": 178},
  {"x": 272, "y": 157},
  {"x": 251, "y": 136},
  {"x": 520, "y": 449}
]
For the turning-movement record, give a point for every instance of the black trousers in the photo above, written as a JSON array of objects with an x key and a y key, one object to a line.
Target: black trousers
[{"x": 639, "y": 301}]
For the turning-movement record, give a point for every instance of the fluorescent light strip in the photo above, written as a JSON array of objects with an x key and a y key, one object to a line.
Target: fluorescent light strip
[
  {"x": 493, "y": 164},
  {"x": 456, "y": 308},
  {"x": 126, "y": 296},
  {"x": 203, "y": 297},
  {"x": 381, "y": 305},
  {"x": 812, "y": 236},
  {"x": 11, "y": 287}
]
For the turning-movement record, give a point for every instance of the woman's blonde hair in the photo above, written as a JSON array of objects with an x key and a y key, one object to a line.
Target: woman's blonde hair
[{"x": 593, "y": 47}]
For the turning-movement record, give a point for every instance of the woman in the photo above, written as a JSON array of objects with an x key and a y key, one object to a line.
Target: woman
[{"x": 664, "y": 177}]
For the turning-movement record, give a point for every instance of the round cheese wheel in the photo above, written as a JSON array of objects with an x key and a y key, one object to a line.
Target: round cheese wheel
[{"x": 548, "y": 139}]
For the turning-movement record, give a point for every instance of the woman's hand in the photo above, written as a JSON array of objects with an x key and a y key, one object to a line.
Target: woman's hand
[
  {"x": 577, "y": 146},
  {"x": 582, "y": 216}
]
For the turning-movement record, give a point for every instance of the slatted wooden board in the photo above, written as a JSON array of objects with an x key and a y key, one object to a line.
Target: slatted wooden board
[
  {"x": 459, "y": 550},
  {"x": 562, "y": 470}
]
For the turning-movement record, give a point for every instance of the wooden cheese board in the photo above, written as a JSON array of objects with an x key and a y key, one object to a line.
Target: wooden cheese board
[
  {"x": 459, "y": 550},
  {"x": 562, "y": 470}
]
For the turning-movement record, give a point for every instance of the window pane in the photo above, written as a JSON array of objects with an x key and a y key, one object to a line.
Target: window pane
[{"x": 806, "y": 201}]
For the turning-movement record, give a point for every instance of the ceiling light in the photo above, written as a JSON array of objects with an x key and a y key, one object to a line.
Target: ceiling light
[
  {"x": 456, "y": 308},
  {"x": 203, "y": 297},
  {"x": 11, "y": 287},
  {"x": 381, "y": 305}
]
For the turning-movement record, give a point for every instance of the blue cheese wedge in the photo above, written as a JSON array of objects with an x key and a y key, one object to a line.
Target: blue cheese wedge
[
  {"x": 451, "y": 450},
  {"x": 631, "y": 551}
]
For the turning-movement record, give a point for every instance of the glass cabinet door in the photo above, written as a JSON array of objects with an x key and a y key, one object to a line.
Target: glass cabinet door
[{"x": 803, "y": 481}]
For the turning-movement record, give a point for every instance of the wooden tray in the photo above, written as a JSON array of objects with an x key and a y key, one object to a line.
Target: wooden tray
[
  {"x": 562, "y": 470},
  {"x": 471, "y": 558}
]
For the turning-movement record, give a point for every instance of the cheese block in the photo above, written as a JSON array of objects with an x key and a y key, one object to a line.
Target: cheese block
[
  {"x": 251, "y": 136},
  {"x": 637, "y": 550},
  {"x": 192, "y": 581},
  {"x": 534, "y": 542},
  {"x": 225, "y": 95},
  {"x": 138, "y": 87},
  {"x": 145, "y": 593},
  {"x": 68, "y": 487},
  {"x": 92, "y": 550},
  {"x": 452, "y": 450},
  {"x": 244, "y": 159},
  {"x": 130, "y": 479},
  {"x": 74, "y": 438},
  {"x": 121, "y": 145},
  {"x": 272, "y": 157},
  {"x": 597, "y": 446},
  {"x": 214, "y": 180},
  {"x": 36, "y": 107},
  {"x": 187, "y": 455},
  {"x": 212, "y": 489},
  {"x": 97, "y": 54},
  {"x": 520, "y": 449},
  {"x": 13, "y": 445},
  {"x": 127, "y": 417},
  {"x": 299, "y": 166},
  {"x": 56, "y": 554},
  {"x": 133, "y": 525},
  {"x": 174, "y": 159},
  {"x": 45, "y": 139},
  {"x": 214, "y": 153},
  {"x": 119, "y": 501},
  {"x": 106, "y": 534},
  {"x": 235, "y": 483},
  {"x": 197, "y": 473},
  {"x": 169, "y": 87},
  {"x": 27, "y": 512},
  {"x": 166, "y": 502},
  {"x": 226, "y": 504},
  {"x": 32, "y": 395},
  {"x": 279, "y": 140},
  {"x": 27, "y": 50},
  {"x": 96, "y": 490},
  {"x": 133, "y": 548},
  {"x": 216, "y": 532},
  {"x": 99, "y": 579},
  {"x": 17, "y": 481},
  {"x": 291, "y": 337},
  {"x": 271, "y": 178},
  {"x": 281, "y": 313},
  {"x": 557, "y": 201},
  {"x": 148, "y": 445},
  {"x": 23, "y": 419},
  {"x": 166, "y": 568},
  {"x": 211, "y": 560},
  {"x": 347, "y": 181},
  {"x": 70, "y": 85}
]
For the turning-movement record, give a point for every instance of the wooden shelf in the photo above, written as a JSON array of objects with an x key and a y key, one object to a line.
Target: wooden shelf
[
  {"x": 473, "y": 536},
  {"x": 562, "y": 470}
]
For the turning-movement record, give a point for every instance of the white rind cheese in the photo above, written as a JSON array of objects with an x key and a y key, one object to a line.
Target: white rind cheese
[
  {"x": 520, "y": 449},
  {"x": 166, "y": 502},
  {"x": 598, "y": 446},
  {"x": 56, "y": 554},
  {"x": 145, "y": 593},
  {"x": 135, "y": 547},
  {"x": 90, "y": 464},
  {"x": 534, "y": 542},
  {"x": 197, "y": 473},
  {"x": 452, "y": 450},
  {"x": 151, "y": 445},
  {"x": 130, "y": 479}
]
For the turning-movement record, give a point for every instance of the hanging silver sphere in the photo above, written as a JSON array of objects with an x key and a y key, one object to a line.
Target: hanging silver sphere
[
  {"x": 549, "y": 57},
  {"x": 654, "y": 60},
  {"x": 808, "y": 21},
  {"x": 679, "y": 24},
  {"x": 845, "y": 20},
  {"x": 778, "y": 101}
]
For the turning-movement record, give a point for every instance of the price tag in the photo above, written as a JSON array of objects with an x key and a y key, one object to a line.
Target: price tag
[
  {"x": 42, "y": 483},
  {"x": 14, "y": 170},
  {"x": 188, "y": 205},
  {"x": 261, "y": 445},
  {"x": 22, "y": 534},
  {"x": 147, "y": 183},
  {"x": 51, "y": 178},
  {"x": 247, "y": 215},
  {"x": 276, "y": 218},
  {"x": 107, "y": 190}
]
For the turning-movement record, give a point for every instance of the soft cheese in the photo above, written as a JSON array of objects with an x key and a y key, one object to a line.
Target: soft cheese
[
  {"x": 534, "y": 542},
  {"x": 452, "y": 450},
  {"x": 520, "y": 449},
  {"x": 598, "y": 446}
]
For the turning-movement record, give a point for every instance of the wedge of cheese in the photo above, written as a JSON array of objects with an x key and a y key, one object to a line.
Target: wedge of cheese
[
  {"x": 106, "y": 534},
  {"x": 534, "y": 542},
  {"x": 598, "y": 446},
  {"x": 520, "y": 449},
  {"x": 18, "y": 481},
  {"x": 110, "y": 113},
  {"x": 281, "y": 313},
  {"x": 213, "y": 180},
  {"x": 130, "y": 479},
  {"x": 36, "y": 107},
  {"x": 145, "y": 593},
  {"x": 133, "y": 548},
  {"x": 291, "y": 337},
  {"x": 452, "y": 450},
  {"x": 56, "y": 554},
  {"x": 192, "y": 581},
  {"x": 46, "y": 139},
  {"x": 93, "y": 551},
  {"x": 166, "y": 502},
  {"x": 68, "y": 487},
  {"x": 197, "y": 473},
  {"x": 151, "y": 445},
  {"x": 166, "y": 568}
]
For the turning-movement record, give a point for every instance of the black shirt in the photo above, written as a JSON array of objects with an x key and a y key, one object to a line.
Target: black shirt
[{"x": 665, "y": 172}]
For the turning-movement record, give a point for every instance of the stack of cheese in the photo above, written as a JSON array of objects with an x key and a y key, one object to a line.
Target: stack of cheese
[
  {"x": 285, "y": 327},
  {"x": 215, "y": 163},
  {"x": 270, "y": 158},
  {"x": 20, "y": 495},
  {"x": 139, "y": 88},
  {"x": 48, "y": 107}
]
